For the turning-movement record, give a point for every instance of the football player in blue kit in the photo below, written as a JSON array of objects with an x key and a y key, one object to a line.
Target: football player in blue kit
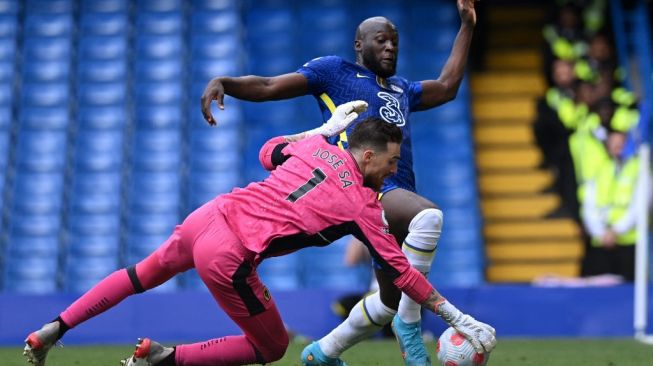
[{"x": 414, "y": 221}]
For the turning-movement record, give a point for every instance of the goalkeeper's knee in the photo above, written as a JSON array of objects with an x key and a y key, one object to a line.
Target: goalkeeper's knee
[{"x": 422, "y": 241}]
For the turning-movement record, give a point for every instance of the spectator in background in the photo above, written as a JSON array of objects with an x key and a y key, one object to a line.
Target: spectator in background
[
  {"x": 609, "y": 211},
  {"x": 552, "y": 136}
]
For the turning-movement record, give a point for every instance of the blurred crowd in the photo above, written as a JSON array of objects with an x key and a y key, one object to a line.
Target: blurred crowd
[{"x": 584, "y": 128}]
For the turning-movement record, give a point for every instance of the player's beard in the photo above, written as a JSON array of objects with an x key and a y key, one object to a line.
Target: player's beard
[{"x": 371, "y": 62}]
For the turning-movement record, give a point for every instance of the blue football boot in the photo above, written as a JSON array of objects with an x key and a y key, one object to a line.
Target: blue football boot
[
  {"x": 312, "y": 355},
  {"x": 409, "y": 336}
]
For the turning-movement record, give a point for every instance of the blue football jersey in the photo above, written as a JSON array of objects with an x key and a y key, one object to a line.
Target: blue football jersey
[{"x": 334, "y": 81}]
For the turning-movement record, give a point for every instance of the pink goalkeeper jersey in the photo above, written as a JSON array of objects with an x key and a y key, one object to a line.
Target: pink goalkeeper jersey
[{"x": 314, "y": 196}]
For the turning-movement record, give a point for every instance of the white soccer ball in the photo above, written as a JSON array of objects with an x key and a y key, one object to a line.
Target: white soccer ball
[{"x": 454, "y": 350}]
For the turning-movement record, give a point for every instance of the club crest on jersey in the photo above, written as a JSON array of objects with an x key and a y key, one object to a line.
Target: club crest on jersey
[{"x": 391, "y": 111}]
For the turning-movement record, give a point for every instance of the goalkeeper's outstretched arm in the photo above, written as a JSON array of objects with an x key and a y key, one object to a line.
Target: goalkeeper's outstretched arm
[{"x": 271, "y": 154}]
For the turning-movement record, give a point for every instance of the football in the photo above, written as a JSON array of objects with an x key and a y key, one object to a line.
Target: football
[{"x": 454, "y": 350}]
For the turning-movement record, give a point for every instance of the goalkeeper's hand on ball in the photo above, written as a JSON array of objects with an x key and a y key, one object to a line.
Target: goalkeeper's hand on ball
[
  {"x": 480, "y": 335},
  {"x": 340, "y": 119}
]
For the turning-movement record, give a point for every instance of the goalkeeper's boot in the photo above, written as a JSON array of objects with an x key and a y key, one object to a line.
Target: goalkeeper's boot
[
  {"x": 38, "y": 344},
  {"x": 312, "y": 355},
  {"x": 409, "y": 336},
  {"x": 147, "y": 353}
]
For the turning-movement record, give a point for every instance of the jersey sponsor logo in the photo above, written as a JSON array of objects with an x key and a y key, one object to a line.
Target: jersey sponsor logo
[
  {"x": 391, "y": 111},
  {"x": 359, "y": 75}
]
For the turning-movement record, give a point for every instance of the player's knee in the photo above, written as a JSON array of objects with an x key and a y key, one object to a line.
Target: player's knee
[
  {"x": 275, "y": 348},
  {"x": 428, "y": 221}
]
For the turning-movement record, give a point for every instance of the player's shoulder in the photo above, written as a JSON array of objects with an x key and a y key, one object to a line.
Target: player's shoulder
[{"x": 325, "y": 61}]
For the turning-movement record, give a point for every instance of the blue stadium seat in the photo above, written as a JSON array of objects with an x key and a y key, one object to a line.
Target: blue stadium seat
[
  {"x": 7, "y": 49},
  {"x": 102, "y": 47},
  {"x": 215, "y": 5},
  {"x": 93, "y": 245},
  {"x": 104, "y": 24},
  {"x": 230, "y": 117},
  {"x": 6, "y": 94},
  {"x": 98, "y": 161},
  {"x": 32, "y": 287},
  {"x": 32, "y": 246},
  {"x": 159, "y": 182},
  {"x": 216, "y": 22},
  {"x": 49, "y": 6},
  {"x": 157, "y": 141},
  {"x": 8, "y": 25},
  {"x": 141, "y": 245},
  {"x": 11, "y": 6},
  {"x": 215, "y": 47},
  {"x": 147, "y": 71},
  {"x": 46, "y": 71},
  {"x": 97, "y": 224},
  {"x": 4, "y": 152},
  {"x": 159, "y": 117},
  {"x": 45, "y": 95},
  {"x": 102, "y": 70},
  {"x": 100, "y": 94},
  {"x": 153, "y": 224},
  {"x": 158, "y": 47},
  {"x": 102, "y": 117},
  {"x": 273, "y": 65},
  {"x": 430, "y": 13},
  {"x": 48, "y": 48},
  {"x": 217, "y": 161},
  {"x": 41, "y": 151},
  {"x": 156, "y": 162},
  {"x": 6, "y": 119},
  {"x": 34, "y": 225},
  {"x": 104, "y": 6},
  {"x": 45, "y": 118},
  {"x": 317, "y": 19},
  {"x": 261, "y": 21},
  {"x": 29, "y": 203},
  {"x": 96, "y": 182},
  {"x": 91, "y": 142},
  {"x": 159, "y": 5},
  {"x": 7, "y": 71},
  {"x": 159, "y": 22},
  {"x": 159, "y": 93},
  {"x": 94, "y": 203},
  {"x": 39, "y": 183},
  {"x": 31, "y": 268},
  {"x": 205, "y": 70},
  {"x": 214, "y": 140},
  {"x": 48, "y": 25},
  {"x": 81, "y": 273},
  {"x": 147, "y": 202}
]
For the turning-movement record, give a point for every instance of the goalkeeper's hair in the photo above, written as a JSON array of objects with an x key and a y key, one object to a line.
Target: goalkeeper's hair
[{"x": 373, "y": 132}]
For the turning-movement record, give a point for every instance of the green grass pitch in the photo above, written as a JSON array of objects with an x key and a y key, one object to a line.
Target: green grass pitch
[{"x": 509, "y": 352}]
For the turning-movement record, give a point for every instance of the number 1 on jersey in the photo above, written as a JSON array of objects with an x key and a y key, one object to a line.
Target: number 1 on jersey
[{"x": 318, "y": 177}]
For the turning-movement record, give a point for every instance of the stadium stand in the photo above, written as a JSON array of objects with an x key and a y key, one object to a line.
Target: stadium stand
[{"x": 103, "y": 148}]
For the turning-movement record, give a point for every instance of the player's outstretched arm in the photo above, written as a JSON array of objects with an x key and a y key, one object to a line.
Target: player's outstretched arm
[
  {"x": 445, "y": 88},
  {"x": 271, "y": 154},
  {"x": 480, "y": 335},
  {"x": 252, "y": 88}
]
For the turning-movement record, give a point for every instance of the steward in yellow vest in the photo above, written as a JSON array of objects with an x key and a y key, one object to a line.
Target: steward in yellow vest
[{"x": 609, "y": 211}]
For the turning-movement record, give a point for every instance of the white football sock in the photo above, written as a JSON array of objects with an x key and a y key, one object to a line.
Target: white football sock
[
  {"x": 419, "y": 247},
  {"x": 366, "y": 318}
]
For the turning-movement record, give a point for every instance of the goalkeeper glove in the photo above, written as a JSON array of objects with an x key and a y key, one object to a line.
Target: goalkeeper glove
[
  {"x": 480, "y": 335},
  {"x": 340, "y": 119}
]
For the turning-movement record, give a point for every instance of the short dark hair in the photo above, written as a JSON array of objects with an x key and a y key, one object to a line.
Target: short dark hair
[{"x": 374, "y": 132}]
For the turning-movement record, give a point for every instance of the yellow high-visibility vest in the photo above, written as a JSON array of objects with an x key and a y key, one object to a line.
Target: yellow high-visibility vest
[{"x": 615, "y": 189}]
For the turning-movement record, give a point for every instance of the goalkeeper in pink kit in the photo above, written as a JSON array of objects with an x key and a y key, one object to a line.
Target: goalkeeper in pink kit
[{"x": 316, "y": 193}]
